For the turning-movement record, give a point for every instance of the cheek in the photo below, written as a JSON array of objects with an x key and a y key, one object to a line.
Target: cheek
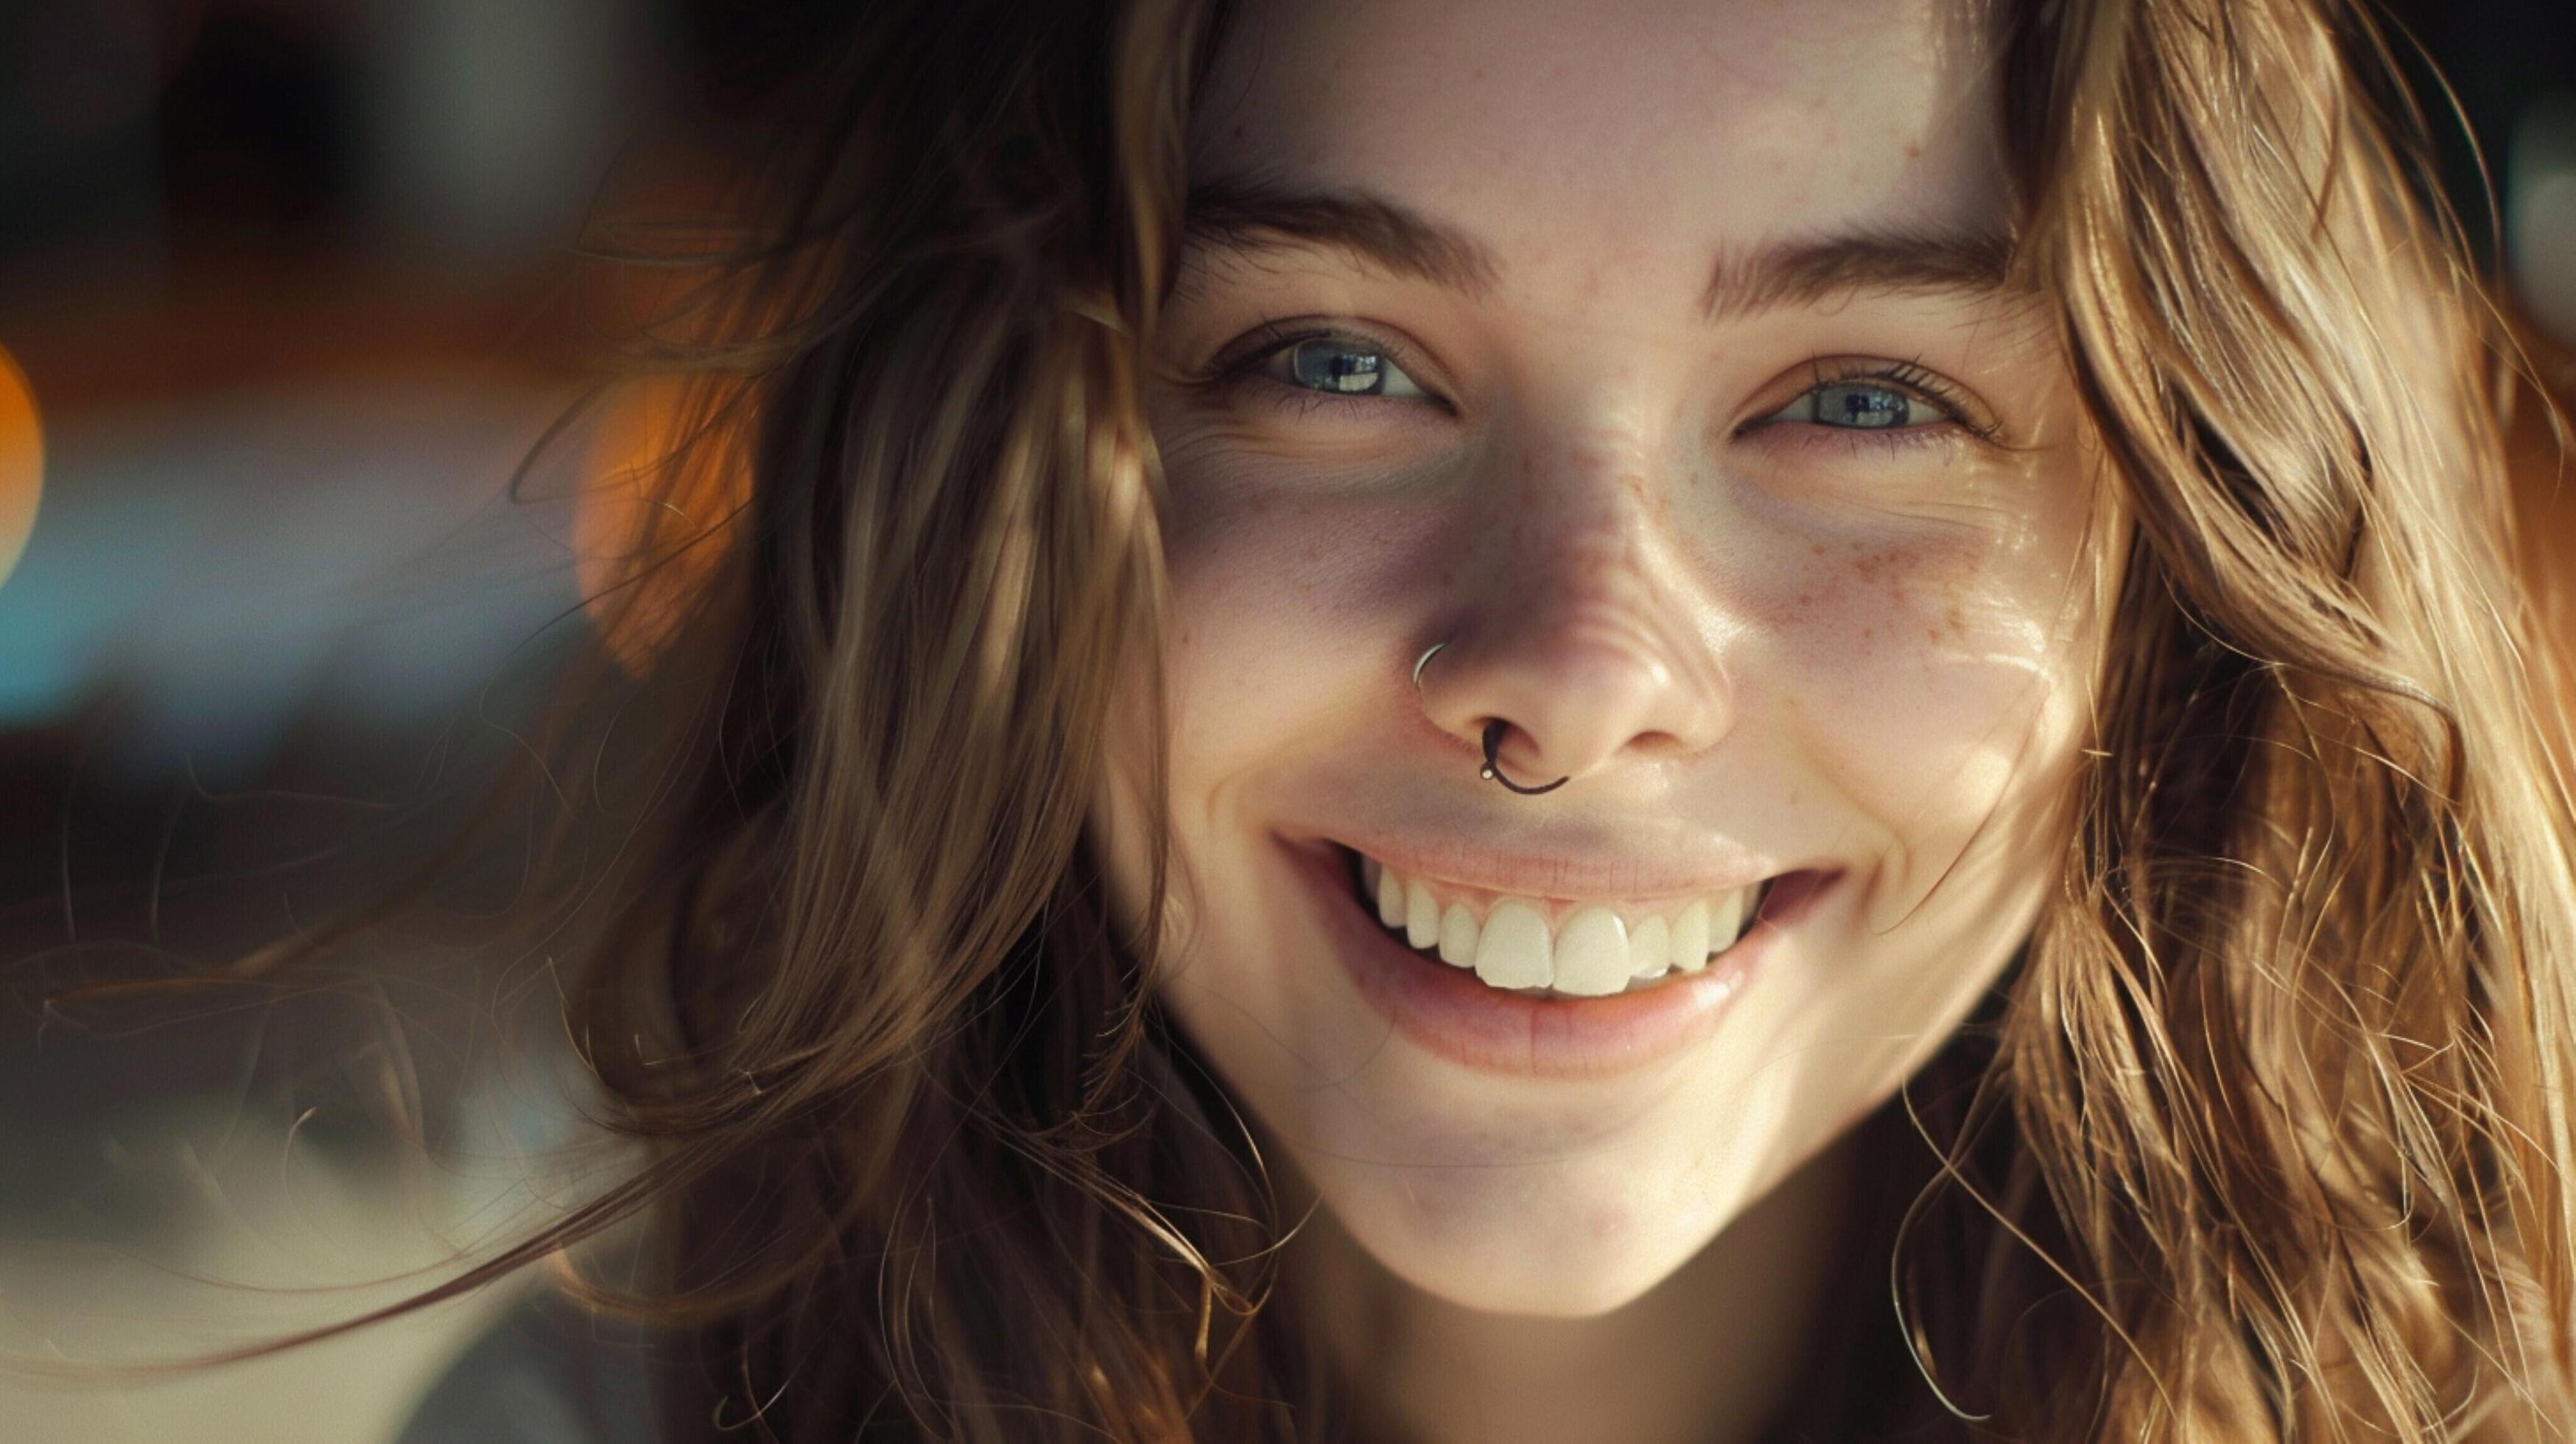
[
  {"x": 1286, "y": 605},
  {"x": 1930, "y": 695},
  {"x": 1935, "y": 684},
  {"x": 1949, "y": 624}
]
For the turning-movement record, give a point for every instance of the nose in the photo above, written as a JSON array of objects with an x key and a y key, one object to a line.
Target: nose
[{"x": 1583, "y": 646}]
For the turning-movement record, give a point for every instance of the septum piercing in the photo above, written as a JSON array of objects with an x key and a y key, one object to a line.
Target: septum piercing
[{"x": 1492, "y": 771}]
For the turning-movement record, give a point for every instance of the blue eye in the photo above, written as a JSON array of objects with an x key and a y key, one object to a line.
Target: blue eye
[
  {"x": 1340, "y": 368},
  {"x": 1860, "y": 406}
]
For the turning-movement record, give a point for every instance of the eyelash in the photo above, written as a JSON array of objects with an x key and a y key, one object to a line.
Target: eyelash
[{"x": 1238, "y": 368}]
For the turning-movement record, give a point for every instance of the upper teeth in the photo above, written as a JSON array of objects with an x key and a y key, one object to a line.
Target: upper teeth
[{"x": 1593, "y": 950}]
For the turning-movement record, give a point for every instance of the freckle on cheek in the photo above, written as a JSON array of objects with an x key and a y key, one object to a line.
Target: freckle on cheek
[{"x": 1871, "y": 567}]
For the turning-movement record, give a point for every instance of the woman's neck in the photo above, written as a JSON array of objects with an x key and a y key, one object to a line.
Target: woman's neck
[{"x": 1709, "y": 1356}]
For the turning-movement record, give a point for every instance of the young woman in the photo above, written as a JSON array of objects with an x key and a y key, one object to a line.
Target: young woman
[{"x": 1648, "y": 721}]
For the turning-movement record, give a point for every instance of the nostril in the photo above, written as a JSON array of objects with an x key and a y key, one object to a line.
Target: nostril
[{"x": 1658, "y": 744}]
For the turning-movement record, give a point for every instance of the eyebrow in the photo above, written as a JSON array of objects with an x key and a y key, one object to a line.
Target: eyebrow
[
  {"x": 1256, "y": 215},
  {"x": 1903, "y": 262},
  {"x": 1253, "y": 215}
]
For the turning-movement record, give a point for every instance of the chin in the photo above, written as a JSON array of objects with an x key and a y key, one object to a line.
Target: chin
[{"x": 1555, "y": 1241}]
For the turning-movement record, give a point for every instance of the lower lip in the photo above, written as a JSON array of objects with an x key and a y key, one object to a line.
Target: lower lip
[{"x": 1446, "y": 1011}]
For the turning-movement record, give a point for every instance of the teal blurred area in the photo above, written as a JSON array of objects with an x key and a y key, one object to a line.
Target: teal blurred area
[{"x": 226, "y": 562}]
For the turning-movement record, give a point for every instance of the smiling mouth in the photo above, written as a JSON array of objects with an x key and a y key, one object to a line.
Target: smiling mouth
[{"x": 1539, "y": 948}]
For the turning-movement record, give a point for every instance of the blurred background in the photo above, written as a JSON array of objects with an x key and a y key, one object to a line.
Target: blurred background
[{"x": 284, "y": 303}]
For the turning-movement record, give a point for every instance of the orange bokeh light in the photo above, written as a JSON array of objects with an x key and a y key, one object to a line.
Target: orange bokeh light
[
  {"x": 22, "y": 462},
  {"x": 662, "y": 479}
]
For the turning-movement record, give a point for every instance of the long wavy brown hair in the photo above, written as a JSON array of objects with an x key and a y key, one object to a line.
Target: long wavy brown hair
[{"x": 2269, "y": 1133}]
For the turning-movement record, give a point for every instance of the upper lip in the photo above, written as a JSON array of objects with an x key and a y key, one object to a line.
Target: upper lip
[{"x": 1676, "y": 871}]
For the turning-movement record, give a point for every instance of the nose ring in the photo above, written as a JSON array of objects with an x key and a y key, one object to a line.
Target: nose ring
[
  {"x": 1492, "y": 771},
  {"x": 1419, "y": 661}
]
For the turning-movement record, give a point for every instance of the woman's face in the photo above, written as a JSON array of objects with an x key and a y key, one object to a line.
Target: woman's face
[{"x": 1651, "y": 357}]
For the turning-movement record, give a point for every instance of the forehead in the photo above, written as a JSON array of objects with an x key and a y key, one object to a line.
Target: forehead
[{"x": 1618, "y": 131}]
